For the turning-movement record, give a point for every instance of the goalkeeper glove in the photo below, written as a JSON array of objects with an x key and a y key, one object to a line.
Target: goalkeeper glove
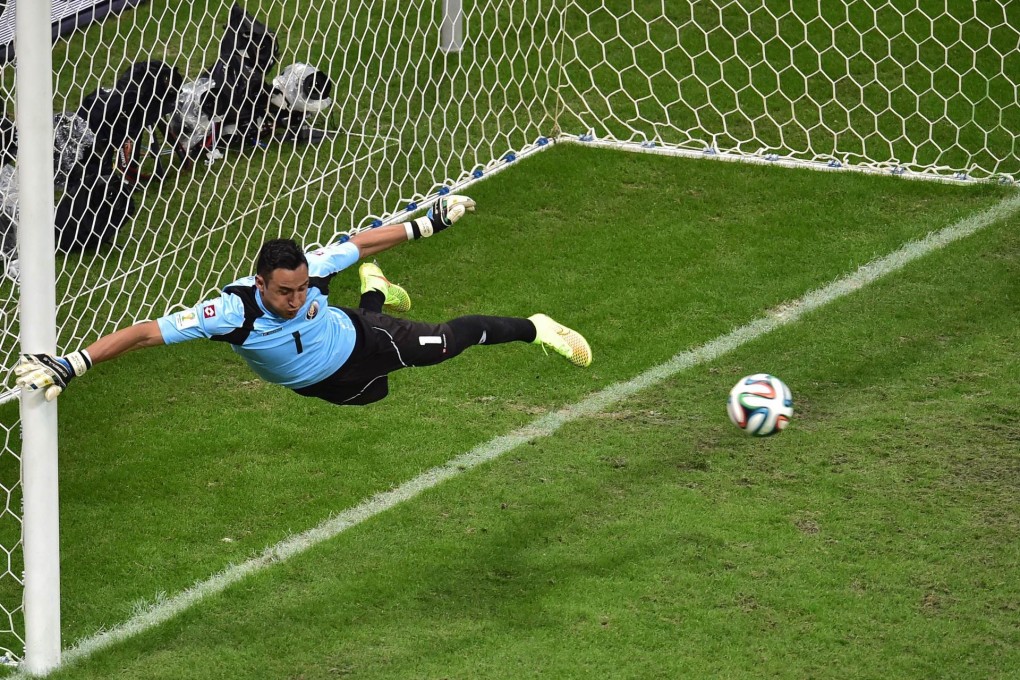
[
  {"x": 441, "y": 215},
  {"x": 49, "y": 373}
]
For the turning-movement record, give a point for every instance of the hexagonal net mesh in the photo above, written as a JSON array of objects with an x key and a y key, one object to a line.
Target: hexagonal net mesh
[
  {"x": 906, "y": 85},
  {"x": 188, "y": 132},
  {"x": 282, "y": 118}
]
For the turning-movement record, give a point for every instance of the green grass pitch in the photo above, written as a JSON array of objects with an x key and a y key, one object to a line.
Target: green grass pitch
[{"x": 874, "y": 537}]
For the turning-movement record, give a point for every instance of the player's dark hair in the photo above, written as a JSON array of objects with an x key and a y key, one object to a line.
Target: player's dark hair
[{"x": 279, "y": 253}]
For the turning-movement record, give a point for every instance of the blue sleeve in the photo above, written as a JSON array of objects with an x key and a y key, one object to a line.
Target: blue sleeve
[
  {"x": 330, "y": 259},
  {"x": 206, "y": 319}
]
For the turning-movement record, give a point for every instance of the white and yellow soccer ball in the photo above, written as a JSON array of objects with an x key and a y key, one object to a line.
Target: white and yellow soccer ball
[{"x": 760, "y": 405}]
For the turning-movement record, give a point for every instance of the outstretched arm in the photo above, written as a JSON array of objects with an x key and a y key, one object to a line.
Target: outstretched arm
[
  {"x": 372, "y": 241},
  {"x": 144, "y": 334},
  {"x": 443, "y": 214},
  {"x": 52, "y": 374}
]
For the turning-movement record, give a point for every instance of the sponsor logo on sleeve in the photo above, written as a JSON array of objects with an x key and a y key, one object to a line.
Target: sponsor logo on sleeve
[
  {"x": 185, "y": 319},
  {"x": 209, "y": 311},
  {"x": 313, "y": 310}
]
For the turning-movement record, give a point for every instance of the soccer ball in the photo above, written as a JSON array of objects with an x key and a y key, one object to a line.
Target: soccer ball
[{"x": 760, "y": 405}]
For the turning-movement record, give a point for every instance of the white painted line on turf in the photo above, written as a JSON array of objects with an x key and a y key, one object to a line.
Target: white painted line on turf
[{"x": 166, "y": 608}]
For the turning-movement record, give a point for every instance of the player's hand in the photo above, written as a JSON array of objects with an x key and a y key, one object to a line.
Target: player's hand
[
  {"x": 49, "y": 373},
  {"x": 443, "y": 213},
  {"x": 449, "y": 209}
]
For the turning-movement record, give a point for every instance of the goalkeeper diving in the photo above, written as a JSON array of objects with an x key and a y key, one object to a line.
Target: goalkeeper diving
[{"x": 280, "y": 322}]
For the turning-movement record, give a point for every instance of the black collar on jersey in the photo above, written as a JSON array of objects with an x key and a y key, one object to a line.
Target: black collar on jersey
[{"x": 252, "y": 311}]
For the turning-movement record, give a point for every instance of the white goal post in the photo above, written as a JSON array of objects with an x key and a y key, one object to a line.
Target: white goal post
[
  {"x": 187, "y": 132},
  {"x": 41, "y": 530}
]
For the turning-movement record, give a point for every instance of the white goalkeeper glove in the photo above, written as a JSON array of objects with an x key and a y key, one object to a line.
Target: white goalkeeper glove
[
  {"x": 49, "y": 373},
  {"x": 442, "y": 214}
]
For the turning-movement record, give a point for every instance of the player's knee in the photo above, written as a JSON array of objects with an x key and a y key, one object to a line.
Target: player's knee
[{"x": 466, "y": 331}]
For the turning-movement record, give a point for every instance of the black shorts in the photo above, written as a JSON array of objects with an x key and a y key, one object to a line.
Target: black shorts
[{"x": 384, "y": 344}]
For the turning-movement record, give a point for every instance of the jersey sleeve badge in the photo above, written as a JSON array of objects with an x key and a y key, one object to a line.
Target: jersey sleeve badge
[{"x": 186, "y": 319}]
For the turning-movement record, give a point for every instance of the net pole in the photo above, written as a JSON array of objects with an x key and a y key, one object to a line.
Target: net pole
[{"x": 37, "y": 309}]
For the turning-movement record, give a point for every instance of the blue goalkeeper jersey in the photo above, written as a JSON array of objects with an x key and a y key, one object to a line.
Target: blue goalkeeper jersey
[{"x": 291, "y": 352}]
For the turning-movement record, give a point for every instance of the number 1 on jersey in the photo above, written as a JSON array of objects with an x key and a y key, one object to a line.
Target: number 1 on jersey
[{"x": 297, "y": 341}]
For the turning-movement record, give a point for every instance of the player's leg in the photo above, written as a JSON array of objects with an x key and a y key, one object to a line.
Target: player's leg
[
  {"x": 375, "y": 285},
  {"x": 393, "y": 343},
  {"x": 369, "y": 393},
  {"x": 372, "y": 301},
  {"x": 342, "y": 392},
  {"x": 469, "y": 331},
  {"x": 426, "y": 344}
]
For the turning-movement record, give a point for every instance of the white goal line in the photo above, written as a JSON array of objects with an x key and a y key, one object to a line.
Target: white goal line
[{"x": 165, "y": 608}]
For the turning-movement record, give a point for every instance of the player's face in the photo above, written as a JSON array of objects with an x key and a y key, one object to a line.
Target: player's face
[{"x": 284, "y": 291}]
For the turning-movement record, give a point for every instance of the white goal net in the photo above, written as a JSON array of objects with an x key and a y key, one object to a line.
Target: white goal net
[
  {"x": 906, "y": 87},
  {"x": 187, "y": 132}
]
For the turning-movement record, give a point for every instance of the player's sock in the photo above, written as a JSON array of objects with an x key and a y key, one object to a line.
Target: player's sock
[
  {"x": 490, "y": 330},
  {"x": 372, "y": 301}
]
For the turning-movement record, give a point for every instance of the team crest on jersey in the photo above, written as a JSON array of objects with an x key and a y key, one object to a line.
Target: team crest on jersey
[
  {"x": 312, "y": 311},
  {"x": 209, "y": 311}
]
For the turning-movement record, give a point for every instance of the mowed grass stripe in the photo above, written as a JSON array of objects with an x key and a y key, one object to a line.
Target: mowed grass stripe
[{"x": 167, "y": 608}]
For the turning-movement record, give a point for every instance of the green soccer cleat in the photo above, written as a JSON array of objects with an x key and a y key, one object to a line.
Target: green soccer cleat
[
  {"x": 372, "y": 278},
  {"x": 562, "y": 340}
]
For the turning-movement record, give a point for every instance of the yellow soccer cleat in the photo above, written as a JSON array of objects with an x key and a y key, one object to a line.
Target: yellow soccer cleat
[
  {"x": 562, "y": 340},
  {"x": 372, "y": 278}
]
